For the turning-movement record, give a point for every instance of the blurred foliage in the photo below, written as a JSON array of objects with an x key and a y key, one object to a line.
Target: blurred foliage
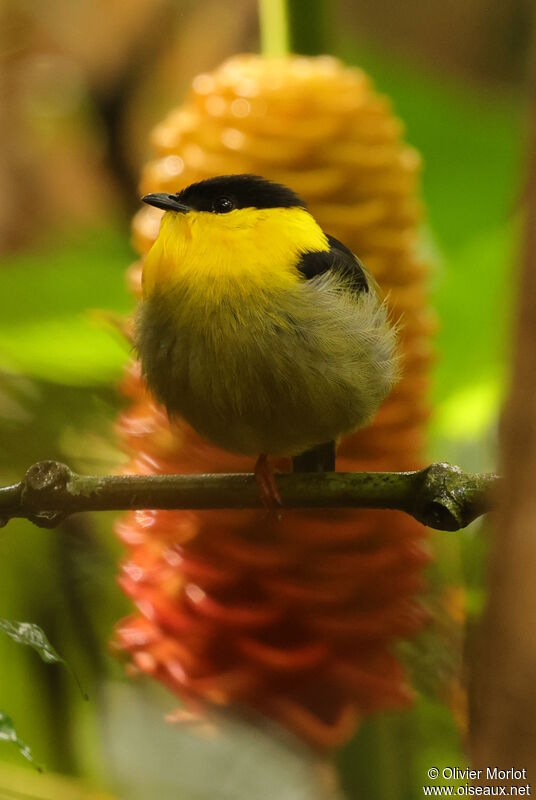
[
  {"x": 47, "y": 330},
  {"x": 61, "y": 405},
  {"x": 59, "y": 363},
  {"x": 17, "y": 783},
  {"x": 469, "y": 137}
]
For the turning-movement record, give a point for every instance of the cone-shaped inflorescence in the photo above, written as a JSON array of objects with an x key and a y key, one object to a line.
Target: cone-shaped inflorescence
[{"x": 296, "y": 619}]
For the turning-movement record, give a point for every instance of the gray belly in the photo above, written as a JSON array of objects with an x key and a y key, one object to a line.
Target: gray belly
[{"x": 277, "y": 376}]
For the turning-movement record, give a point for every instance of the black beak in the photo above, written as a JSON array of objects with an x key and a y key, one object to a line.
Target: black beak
[{"x": 168, "y": 202}]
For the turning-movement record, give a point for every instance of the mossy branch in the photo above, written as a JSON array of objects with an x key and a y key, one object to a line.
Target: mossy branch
[{"x": 441, "y": 496}]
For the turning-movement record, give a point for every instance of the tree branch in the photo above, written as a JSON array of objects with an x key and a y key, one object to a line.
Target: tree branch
[{"x": 440, "y": 496}]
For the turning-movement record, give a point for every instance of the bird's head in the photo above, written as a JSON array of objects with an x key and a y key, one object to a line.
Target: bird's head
[{"x": 230, "y": 224}]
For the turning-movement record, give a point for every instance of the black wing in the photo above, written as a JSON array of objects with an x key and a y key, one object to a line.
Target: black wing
[{"x": 338, "y": 258}]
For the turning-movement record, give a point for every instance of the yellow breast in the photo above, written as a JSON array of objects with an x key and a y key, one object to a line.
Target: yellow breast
[{"x": 242, "y": 252}]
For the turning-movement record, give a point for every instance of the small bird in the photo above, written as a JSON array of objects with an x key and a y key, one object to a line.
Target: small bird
[{"x": 263, "y": 332}]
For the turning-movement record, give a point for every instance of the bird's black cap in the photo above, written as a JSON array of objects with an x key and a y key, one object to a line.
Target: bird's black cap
[{"x": 227, "y": 192}]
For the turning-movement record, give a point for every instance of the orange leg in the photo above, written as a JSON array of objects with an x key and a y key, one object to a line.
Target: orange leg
[{"x": 264, "y": 475}]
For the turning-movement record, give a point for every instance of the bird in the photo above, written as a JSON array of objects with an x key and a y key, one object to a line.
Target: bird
[{"x": 266, "y": 334}]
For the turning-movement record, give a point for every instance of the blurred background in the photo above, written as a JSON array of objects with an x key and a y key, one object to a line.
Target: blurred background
[{"x": 82, "y": 84}]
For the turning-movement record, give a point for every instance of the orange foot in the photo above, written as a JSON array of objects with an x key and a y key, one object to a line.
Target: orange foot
[{"x": 264, "y": 475}]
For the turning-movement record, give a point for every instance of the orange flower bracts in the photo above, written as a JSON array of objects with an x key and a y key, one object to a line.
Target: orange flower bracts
[{"x": 296, "y": 619}]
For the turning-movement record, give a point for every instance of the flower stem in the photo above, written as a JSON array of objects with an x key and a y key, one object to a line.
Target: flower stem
[
  {"x": 274, "y": 25},
  {"x": 298, "y": 26}
]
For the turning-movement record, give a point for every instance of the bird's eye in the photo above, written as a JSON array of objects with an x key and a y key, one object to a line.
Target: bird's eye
[{"x": 222, "y": 205}]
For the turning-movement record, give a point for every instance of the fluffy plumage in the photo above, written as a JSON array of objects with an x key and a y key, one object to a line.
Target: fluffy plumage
[{"x": 265, "y": 334}]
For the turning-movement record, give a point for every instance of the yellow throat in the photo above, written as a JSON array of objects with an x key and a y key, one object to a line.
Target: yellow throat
[{"x": 248, "y": 248}]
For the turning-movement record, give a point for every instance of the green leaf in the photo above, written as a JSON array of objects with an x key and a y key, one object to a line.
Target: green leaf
[
  {"x": 9, "y": 734},
  {"x": 31, "y": 635}
]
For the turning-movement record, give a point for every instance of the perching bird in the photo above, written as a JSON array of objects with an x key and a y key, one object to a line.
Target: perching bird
[{"x": 265, "y": 333}]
